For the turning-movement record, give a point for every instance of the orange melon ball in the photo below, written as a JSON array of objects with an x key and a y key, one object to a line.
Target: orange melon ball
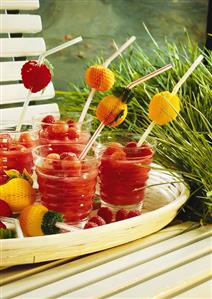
[
  {"x": 31, "y": 219},
  {"x": 164, "y": 107},
  {"x": 99, "y": 77},
  {"x": 111, "y": 111}
]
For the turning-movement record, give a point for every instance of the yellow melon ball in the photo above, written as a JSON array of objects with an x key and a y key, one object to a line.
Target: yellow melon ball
[{"x": 164, "y": 107}]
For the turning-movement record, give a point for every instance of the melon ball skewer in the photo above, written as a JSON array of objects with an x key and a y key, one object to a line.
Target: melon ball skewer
[
  {"x": 112, "y": 110},
  {"x": 37, "y": 220},
  {"x": 165, "y": 106},
  {"x": 37, "y": 66},
  {"x": 99, "y": 77}
]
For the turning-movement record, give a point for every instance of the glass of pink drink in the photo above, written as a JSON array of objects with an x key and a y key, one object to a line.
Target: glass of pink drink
[
  {"x": 66, "y": 184},
  {"x": 124, "y": 170},
  {"x": 16, "y": 149},
  {"x": 53, "y": 127}
]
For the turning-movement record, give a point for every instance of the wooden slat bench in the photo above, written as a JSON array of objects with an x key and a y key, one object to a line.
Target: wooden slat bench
[
  {"x": 15, "y": 50},
  {"x": 168, "y": 264}
]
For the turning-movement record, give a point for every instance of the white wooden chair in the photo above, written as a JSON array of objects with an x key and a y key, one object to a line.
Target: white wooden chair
[
  {"x": 172, "y": 263},
  {"x": 15, "y": 49}
]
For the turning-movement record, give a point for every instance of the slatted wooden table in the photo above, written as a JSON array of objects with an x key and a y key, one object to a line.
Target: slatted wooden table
[{"x": 173, "y": 263}]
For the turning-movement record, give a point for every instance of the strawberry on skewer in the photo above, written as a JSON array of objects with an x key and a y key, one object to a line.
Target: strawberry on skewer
[{"x": 35, "y": 76}]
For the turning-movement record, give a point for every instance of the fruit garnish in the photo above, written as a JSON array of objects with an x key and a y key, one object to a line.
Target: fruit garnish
[
  {"x": 111, "y": 111},
  {"x": 13, "y": 173},
  {"x": 26, "y": 140},
  {"x": 131, "y": 144},
  {"x": 5, "y": 209},
  {"x": 2, "y": 225},
  {"x": 118, "y": 155},
  {"x": 98, "y": 220},
  {"x": 36, "y": 220},
  {"x": 164, "y": 107},
  {"x": 106, "y": 213},
  {"x": 121, "y": 214},
  {"x": 48, "y": 222},
  {"x": 133, "y": 213},
  {"x": 35, "y": 76},
  {"x": 47, "y": 120},
  {"x": 90, "y": 225},
  {"x": 60, "y": 127},
  {"x": 99, "y": 77},
  {"x": 6, "y": 233},
  {"x": 18, "y": 193},
  {"x": 72, "y": 133}
]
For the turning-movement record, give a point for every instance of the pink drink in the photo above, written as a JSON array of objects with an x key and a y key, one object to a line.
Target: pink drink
[
  {"x": 55, "y": 129},
  {"x": 66, "y": 184},
  {"x": 16, "y": 151},
  {"x": 123, "y": 174}
]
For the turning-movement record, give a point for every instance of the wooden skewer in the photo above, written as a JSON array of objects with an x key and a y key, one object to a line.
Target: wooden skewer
[
  {"x": 106, "y": 64},
  {"x": 174, "y": 91},
  {"x": 130, "y": 86}
]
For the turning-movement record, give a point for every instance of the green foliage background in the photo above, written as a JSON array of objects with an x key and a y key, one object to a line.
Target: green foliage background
[{"x": 184, "y": 145}]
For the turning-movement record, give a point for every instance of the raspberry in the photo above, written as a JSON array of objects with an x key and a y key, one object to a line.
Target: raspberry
[
  {"x": 35, "y": 76},
  {"x": 121, "y": 214},
  {"x": 90, "y": 224},
  {"x": 72, "y": 133},
  {"x": 5, "y": 209},
  {"x": 98, "y": 220},
  {"x": 2, "y": 225},
  {"x": 133, "y": 213},
  {"x": 106, "y": 213},
  {"x": 49, "y": 119},
  {"x": 131, "y": 144},
  {"x": 118, "y": 155}
]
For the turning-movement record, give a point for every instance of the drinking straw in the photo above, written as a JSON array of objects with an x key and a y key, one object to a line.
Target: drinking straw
[
  {"x": 174, "y": 91},
  {"x": 106, "y": 64},
  {"x": 129, "y": 86},
  {"x": 40, "y": 61}
]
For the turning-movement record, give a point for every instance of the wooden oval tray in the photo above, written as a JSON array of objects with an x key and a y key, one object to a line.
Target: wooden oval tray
[{"x": 165, "y": 194}]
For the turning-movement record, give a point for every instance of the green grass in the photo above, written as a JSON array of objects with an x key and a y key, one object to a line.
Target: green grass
[{"x": 184, "y": 145}]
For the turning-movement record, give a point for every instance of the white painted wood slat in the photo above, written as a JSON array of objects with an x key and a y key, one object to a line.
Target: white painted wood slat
[
  {"x": 20, "y": 23},
  {"x": 14, "y": 93},
  {"x": 151, "y": 260},
  {"x": 32, "y": 111},
  {"x": 17, "y": 47},
  {"x": 203, "y": 291},
  {"x": 19, "y": 4},
  {"x": 142, "y": 272},
  {"x": 84, "y": 263},
  {"x": 171, "y": 282},
  {"x": 11, "y": 70}
]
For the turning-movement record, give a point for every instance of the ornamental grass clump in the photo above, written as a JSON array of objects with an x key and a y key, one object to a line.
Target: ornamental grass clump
[{"x": 184, "y": 145}]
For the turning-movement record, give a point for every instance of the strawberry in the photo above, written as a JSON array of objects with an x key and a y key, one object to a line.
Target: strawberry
[
  {"x": 106, "y": 213},
  {"x": 5, "y": 209},
  {"x": 121, "y": 214},
  {"x": 98, "y": 220},
  {"x": 35, "y": 76},
  {"x": 90, "y": 225},
  {"x": 2, "y": 225},
  {"x": 133, "y": 213}
]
